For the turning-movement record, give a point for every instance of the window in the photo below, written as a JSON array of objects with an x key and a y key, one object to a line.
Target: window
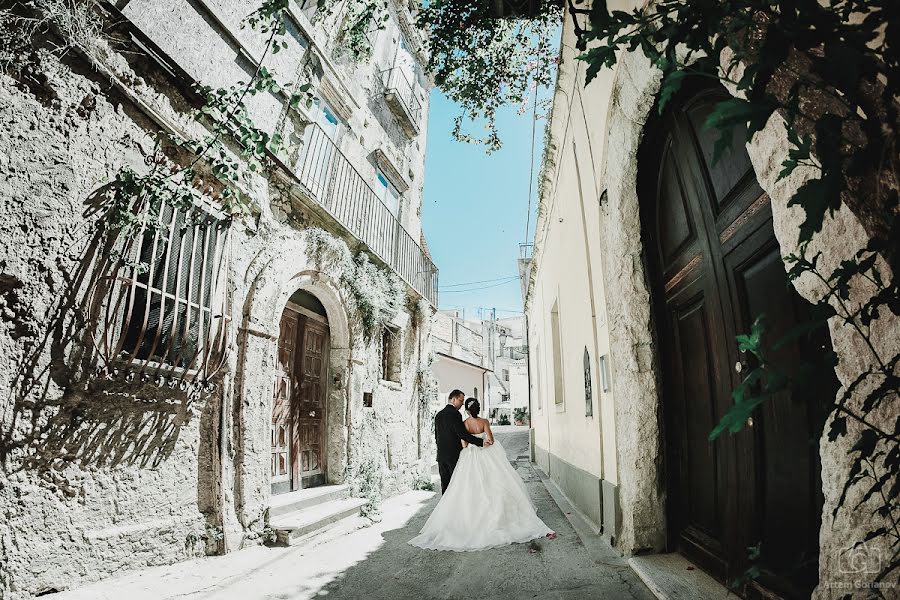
[
  {"x": 165, "y": 310},
  {"x": 505, "y": 374},
  {"x": 588, "y": 400},
  {"x": 390, "y": 355},
  {"x": 605, "y": 383},
  {"x": 389, "y": 194},
  {"x": 367, "y": 399},
  {"x": 538, "y": 367},
  {"x": 558, "y": 387},
  {"x": 504, "y": 398}
]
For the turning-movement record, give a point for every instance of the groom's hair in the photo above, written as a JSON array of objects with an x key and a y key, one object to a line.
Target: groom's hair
[{"x": 456, "y": 394}]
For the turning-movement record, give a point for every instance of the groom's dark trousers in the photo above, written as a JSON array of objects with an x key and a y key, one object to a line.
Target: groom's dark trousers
[{"x": 448, "y": 431}]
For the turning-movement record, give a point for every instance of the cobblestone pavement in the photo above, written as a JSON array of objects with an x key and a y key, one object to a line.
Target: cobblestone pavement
[{"x": 375, "y": 562}]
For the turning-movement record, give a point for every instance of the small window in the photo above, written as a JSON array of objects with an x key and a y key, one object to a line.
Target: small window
[
  {"x": 390, "y": 355},
  {"x": 605, "y": 383},
  {"x": 505, "y": 374},
  {"x": 389, "y": 194},
  {"x": 588, "y": 399},
  {"x": 558, "y": 382},
  {"x": 367, "y": 399},
  {"x": 504, "y": 398}
]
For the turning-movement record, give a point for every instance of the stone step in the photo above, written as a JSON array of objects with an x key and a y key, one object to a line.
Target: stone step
[
  {"x": 283, "y": 504},
  {"x": 673, "y": 577},
  {"x": 290, "y": 528}
]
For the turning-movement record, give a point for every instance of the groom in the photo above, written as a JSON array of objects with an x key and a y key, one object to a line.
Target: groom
[{"x": 448, "y": 431}]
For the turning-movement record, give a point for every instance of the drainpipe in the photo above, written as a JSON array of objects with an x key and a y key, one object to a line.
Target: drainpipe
[{"x": 528, "y": 375}]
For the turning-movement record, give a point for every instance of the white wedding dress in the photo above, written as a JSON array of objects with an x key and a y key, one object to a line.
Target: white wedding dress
[{"x": 485, "y": 506}]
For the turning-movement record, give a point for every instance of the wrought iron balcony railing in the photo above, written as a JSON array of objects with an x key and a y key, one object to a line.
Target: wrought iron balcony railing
[
  {"x": 332, "y": 181},
  {"x": 400, "y": 94}
]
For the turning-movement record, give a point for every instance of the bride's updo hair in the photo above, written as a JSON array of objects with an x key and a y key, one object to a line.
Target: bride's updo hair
[{"x": 472, "y": 407}]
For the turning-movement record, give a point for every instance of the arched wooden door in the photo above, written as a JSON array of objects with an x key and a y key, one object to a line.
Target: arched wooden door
[
  {"x": 714, "y": 266},
  {"x": 299, "y": 400}
]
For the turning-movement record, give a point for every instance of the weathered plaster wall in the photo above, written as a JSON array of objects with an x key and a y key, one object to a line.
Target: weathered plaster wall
[
  {"x": 96, "y": 483},
  {"x": 92, "y": 483}
]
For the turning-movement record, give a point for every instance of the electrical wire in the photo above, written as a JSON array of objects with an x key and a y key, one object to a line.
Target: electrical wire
[
  {"x": 451, "y": 285},
  {"x": 484, "y": 287}
]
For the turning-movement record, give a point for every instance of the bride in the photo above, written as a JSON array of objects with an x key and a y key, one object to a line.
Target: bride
[{"x": 486, "y": 504}]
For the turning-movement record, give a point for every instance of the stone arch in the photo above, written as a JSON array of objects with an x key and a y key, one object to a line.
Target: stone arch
[
  {"x": 279, "y": 271},
  {"x": 632, "y": 347}
]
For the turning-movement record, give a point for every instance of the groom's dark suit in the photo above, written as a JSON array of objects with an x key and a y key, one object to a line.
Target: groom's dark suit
[{"x": 448, "y": 431}]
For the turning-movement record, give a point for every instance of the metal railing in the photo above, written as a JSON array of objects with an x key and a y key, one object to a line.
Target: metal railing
[
  {"x": 396, "y": 82},
  {"x": 332, "y": 181}
]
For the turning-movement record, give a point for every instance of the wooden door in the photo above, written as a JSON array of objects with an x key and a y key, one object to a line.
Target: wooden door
[
  {"x": 312, "y": 366},
  {"x": 283, "y": 431},
  {"x": 298, "y": 404},
  {"x": 714, "y": 266}
]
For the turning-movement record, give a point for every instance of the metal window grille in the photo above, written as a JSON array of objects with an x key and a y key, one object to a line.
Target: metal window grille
[{"x": 163, "y": 308}]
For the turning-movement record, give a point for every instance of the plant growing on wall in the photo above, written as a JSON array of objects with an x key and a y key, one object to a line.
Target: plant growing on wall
[
  {"x": 483, "y": 62},
  {"x": 830, "y": 72},
  {"x": 361, "y": 21},
  {"x": 366, "y": 480},
  {"x": 379, "y": 295},
  {"x": 328, "y": 251}
]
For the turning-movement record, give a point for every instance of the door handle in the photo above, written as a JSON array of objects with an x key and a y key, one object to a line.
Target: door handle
[{"x": 312, "y": 413}]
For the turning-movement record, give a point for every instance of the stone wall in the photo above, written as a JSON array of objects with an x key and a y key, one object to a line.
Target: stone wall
[{"x": 100, "y": 478}]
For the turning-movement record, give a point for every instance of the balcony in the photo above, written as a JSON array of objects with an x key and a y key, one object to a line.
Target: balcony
[
  {"x": 400, "y": 95},
  {"x": 330, "y": 179}
]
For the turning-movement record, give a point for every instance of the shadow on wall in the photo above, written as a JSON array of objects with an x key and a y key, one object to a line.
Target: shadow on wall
[{"x": 57, "y": 412}]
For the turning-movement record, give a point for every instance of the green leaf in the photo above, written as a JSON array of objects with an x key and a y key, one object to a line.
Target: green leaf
[
  {"x": 671, "y": 83},
  {"x": 816, "y": 197}
]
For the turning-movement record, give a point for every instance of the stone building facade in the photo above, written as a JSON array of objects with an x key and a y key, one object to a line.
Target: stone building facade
[
  {"x": 114, "y": 462},
  {"x": 603, "y": 426}
]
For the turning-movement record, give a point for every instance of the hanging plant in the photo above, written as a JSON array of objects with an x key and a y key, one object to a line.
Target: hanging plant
[
  {"x": 483, "y": 62},
  {"x": 379, "y": 295},
  {"x": 362, "y": 19}
]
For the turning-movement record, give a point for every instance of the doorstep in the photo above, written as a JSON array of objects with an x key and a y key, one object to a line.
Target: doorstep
[{"x": 673, "y": 577}]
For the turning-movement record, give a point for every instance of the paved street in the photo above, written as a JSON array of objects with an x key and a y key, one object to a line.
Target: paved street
[{"x": 376, "y": 562}]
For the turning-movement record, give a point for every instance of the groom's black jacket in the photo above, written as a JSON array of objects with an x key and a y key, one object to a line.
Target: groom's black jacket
[{"x": 448, "y": 430}]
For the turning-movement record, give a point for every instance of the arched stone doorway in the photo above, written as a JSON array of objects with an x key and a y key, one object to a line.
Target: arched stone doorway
[
  {"x": 713, "y": 266},
  {"x": 274, "y": 277},
  {"x": 299, "y": 401}
]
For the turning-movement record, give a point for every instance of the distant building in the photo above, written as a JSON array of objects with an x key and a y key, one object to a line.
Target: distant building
[{"x": 459, "y": 362}]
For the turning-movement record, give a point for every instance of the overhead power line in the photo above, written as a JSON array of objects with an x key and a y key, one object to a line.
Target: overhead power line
[
  {"x": 484, "y": 287},
  {"x": 451, "y": 285}
]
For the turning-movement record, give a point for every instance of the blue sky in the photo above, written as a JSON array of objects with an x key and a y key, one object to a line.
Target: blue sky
[{"x": 475, "y": 206}]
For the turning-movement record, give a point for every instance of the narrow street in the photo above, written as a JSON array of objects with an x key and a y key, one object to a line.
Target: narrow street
[{"x": 350, "y": 562}]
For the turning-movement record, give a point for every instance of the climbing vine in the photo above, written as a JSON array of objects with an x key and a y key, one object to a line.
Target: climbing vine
[
  {"x": 379, "y": 295},
  {"x": 362, "y": 20}
]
